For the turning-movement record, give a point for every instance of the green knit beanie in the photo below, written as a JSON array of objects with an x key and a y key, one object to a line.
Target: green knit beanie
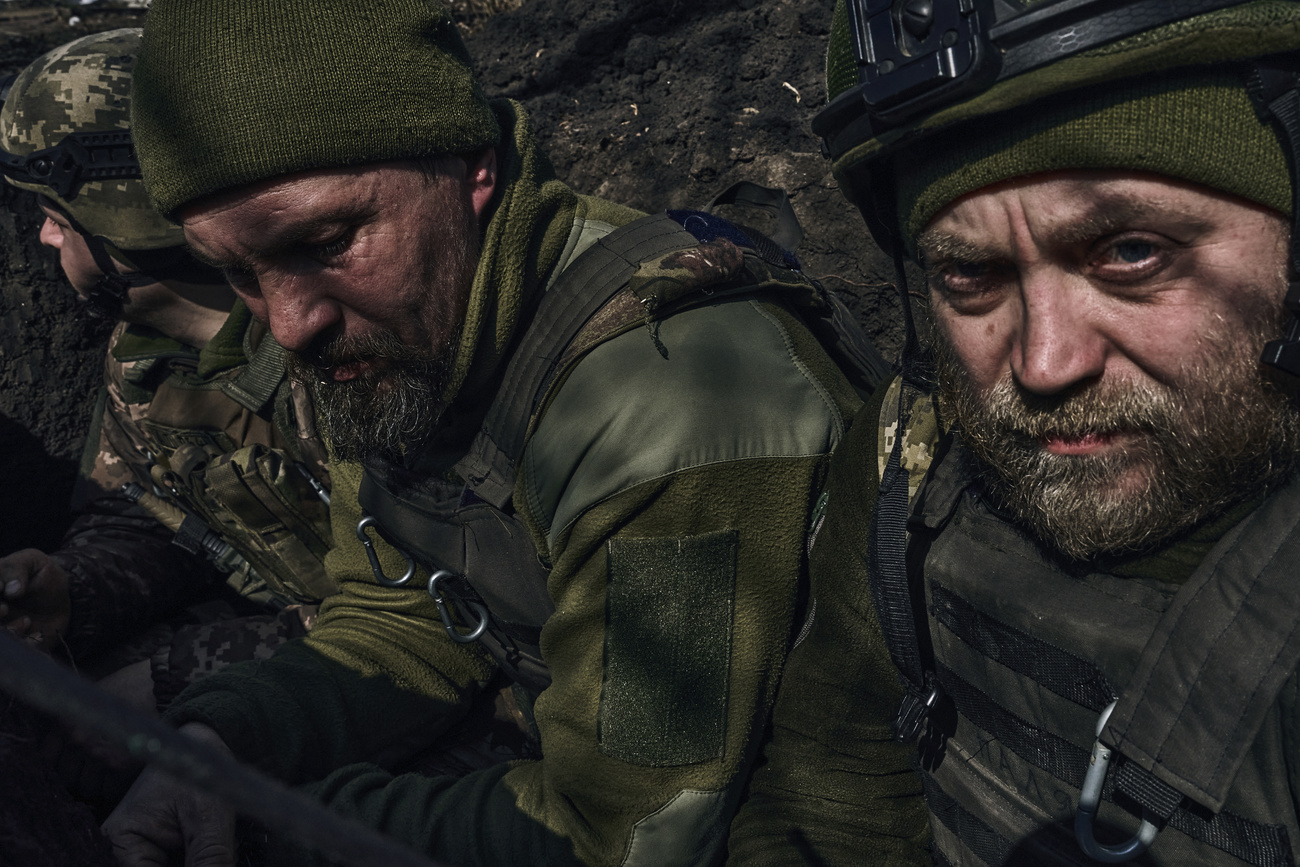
[
  {"x": 1197, "y": 126},
  {"x": 230, "y": 92},
  {"x": 1171, "y": 100}
]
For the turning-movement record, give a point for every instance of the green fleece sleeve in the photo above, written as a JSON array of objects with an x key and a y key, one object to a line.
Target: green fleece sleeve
[
  {"x": 835, "y": 788},
  {"x": 376, "y": 679},
  {"x": 669, "y": 483},
  {"x": 646, "y": 748}
]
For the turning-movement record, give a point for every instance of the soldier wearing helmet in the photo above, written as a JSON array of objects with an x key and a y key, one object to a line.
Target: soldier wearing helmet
[
  {"x": 196, "y": 417},
  {"x": 1055, "y": 611}
]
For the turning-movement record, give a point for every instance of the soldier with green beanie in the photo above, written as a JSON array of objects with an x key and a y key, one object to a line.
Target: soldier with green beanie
[
  {"x": 168, "y": 572},
  {"x": 1054, "y": 600},
  {"x": 575, "y": 449}
]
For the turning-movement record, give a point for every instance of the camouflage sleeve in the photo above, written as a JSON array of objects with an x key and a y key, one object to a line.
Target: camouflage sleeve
[
  {"x": 123, "y": 571},
  {"x": 116, "y": 449}
]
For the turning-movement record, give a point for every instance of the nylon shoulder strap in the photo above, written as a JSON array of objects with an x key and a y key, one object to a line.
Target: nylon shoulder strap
[
  {"x": 1215, "y": 665},
  {"x": 908, "y": 435},
  {"x": 253, "y": 386},
  {"x": 582, "y": 289}
]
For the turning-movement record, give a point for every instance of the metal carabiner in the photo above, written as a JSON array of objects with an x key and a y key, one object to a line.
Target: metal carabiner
[
  {"x": 443, "y": 612},
  {"x": 1090, "y": 800},
  {"x": 380, "y": 577}
]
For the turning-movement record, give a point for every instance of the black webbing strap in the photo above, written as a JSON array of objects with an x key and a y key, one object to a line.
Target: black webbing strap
[
  {"x": 1275, "y": 90},
  {"x": 1069, "y": 676},
  {"x": 257, "y": 382},
  {"x": 1218, "y": 659},
  {"x": 582, "y": 289},
  {"x": 1253, "y": 842},
  {"x": 907, "y": 638},
  {"x": 891, "y": 591}
]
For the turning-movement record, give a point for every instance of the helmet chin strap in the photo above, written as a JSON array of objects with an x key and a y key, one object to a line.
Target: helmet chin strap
[
  {"x": 1274, "y": 87},
  {"x": 108, "y": 296}
]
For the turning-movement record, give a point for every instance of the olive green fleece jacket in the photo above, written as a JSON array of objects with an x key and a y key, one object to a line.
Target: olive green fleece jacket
[
  {"x": 833, "y": 786},
  {"x": 668, "y": 483}
]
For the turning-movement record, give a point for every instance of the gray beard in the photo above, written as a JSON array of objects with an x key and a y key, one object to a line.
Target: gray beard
[
  {"x": 1225, "y": 435},
  {"x": 385, "y": 412}
]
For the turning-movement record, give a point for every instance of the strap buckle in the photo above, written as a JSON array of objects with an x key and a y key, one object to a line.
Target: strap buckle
[
  {"x": 1090, "y": 800},
  {"x": 915, "y": 709}
]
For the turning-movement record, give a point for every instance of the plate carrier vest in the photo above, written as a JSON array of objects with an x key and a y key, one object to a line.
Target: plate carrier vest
[{"x": 1014, "y": 659}]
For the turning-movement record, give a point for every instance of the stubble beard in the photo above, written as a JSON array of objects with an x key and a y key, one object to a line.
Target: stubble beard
[
  {"x": 1190, "y": 450},
  {"x": 394, "y": 406}
]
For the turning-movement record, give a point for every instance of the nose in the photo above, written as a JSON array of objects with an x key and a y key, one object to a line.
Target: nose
[
  {"x": 1059, "y": 345},
  {"x": 50, "y": 234},
  {"x": 294, "y": 310}
]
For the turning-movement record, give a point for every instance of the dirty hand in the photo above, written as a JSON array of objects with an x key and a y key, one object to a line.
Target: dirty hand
[
  {"x": 161, "y": 815},
  {"x": 34, "y": 601}
]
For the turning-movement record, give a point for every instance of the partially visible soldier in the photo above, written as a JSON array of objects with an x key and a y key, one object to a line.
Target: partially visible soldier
[
  {"x": 226, "y": 480},
  {"x": 1063, "y": 555}
]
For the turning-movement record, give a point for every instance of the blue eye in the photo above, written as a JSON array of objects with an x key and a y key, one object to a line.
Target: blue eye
[{"x": 1133, "y": 252}]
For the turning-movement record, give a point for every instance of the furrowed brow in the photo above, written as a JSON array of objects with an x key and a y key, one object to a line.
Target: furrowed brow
[
  {"x": 940, "y": 248},
  {"x": 1109, "y": 215},
  {"x": 277, "y": 243}
]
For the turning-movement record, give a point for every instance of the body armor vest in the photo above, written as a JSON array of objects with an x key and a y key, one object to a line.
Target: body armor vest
[
  {"x": 468, "y": 531},
  {"x": 239, "y": 454},
  {"x": 1028, "y": 655}
]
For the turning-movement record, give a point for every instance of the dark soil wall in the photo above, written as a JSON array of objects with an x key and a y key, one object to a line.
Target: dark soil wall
[{"x": 654, "y": 103}]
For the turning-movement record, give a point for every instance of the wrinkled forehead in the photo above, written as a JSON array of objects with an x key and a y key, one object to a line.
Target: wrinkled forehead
[{"x": 1075, "y": 206}]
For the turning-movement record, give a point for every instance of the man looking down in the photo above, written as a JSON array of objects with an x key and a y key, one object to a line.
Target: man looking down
[{"x": 405, "y": 240}]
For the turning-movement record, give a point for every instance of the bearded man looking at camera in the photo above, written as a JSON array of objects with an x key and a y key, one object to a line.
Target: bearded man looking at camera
[{"x": 1056, "y": 574}]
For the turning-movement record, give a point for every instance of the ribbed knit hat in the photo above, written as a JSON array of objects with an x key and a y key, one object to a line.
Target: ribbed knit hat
[
  {"x": 230, "y": 92},
  {"x": 1171, "y": 100},
  {"x": 1195, "y": 125}
]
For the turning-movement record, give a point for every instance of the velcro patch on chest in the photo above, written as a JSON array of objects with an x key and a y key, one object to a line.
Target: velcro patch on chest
[{"x": 668, "y": 648}]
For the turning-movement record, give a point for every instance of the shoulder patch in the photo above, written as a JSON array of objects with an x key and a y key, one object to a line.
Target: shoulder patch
[{"x": 667, "y": 648}]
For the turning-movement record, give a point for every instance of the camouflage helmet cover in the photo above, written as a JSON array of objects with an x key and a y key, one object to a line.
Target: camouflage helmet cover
[{"x": 85, "y": 86}]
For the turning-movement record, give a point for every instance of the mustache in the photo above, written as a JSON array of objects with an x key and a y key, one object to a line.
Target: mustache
[
  {"x": 325, "y": 354},
  {"x": 1098, "y": 408}
]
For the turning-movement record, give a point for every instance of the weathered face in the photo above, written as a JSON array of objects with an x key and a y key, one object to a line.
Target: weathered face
[
  {"x": 1099, "y": 334},
  {"x": 364, "y": 275}
]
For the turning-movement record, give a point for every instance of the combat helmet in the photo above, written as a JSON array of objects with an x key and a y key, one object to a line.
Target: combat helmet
[
  {"x": 65, "y": 134},
  {"x": 917, "y": 87}
]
